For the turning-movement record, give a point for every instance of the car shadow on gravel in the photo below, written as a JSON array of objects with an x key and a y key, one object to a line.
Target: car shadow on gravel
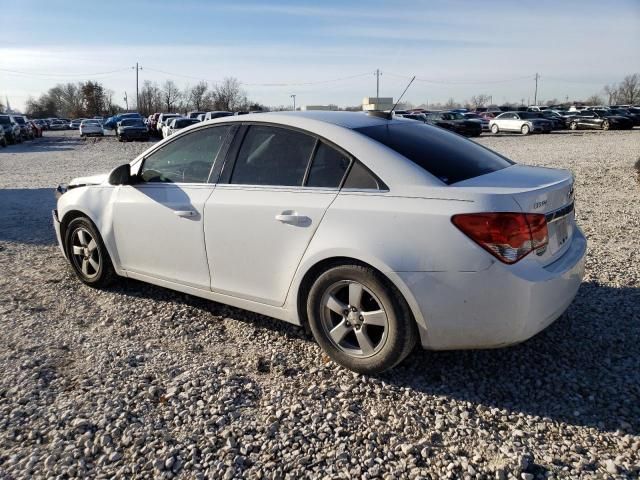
[
  {"x": 582, "y": 370},
  {"x": 24, "y": 213}
]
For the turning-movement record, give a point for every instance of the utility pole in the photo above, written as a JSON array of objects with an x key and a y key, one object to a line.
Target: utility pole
[
  {"x": 377, "y": 74},
  {"x": 294, "y": 101},
  {"x": 535, "y": 95},
  {"x": 137, "y": 88},
  {"x": 126, "y": 101}
]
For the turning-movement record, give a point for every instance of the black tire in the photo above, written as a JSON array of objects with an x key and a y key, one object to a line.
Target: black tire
[
  {"x": 96, "y": 277},
  {"x": 398, "y": 337},
  {"x": 605, "y": 125}
]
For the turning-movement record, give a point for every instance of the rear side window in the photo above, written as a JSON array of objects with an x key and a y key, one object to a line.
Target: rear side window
[
  {"x": 362, "y": 179},
  {"x": 273, "y": 156},
  {"x": 443, "y": 154},
  {"x": 328, "y": 167}
]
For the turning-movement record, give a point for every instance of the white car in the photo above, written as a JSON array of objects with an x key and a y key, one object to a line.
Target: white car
[
  {"x": 523, "y": 122},
  {"x": 175, "y": 124},
  {"x": 164, "y": 118},
  {"x": 91, "y": 127},
  {"x": 375, "y": 232}
]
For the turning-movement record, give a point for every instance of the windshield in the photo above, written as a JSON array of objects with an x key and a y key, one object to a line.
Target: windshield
[
  {"x": 473, "y": 115},
  {"x": 4, "y": 120},
  {"x": 443, "y": 154},
  {"x": 529, "y": 114},
  {"x": 20, "y": 120},
  {"x": 453, "y": 116}
]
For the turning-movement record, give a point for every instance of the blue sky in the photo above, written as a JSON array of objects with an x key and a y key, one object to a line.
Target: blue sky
[{"x": 455, "y": 48}]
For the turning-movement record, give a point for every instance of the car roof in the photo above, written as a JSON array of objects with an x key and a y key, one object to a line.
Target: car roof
[{"x": 349, "y": 120}]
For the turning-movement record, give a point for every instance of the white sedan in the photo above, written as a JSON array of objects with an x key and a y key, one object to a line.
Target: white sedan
[
  {"x": 91, "y": 127},
  {"x": 523, "y": 122},
  {"x": 376, "y": 233},
  {"x": 175, "y": 124}
]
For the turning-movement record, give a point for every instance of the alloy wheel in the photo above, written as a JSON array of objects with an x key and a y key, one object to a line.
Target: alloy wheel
[
  {"x": 85, "y": 253},
  {"x": 354, "y": 319},
  {"x": 605, "y": 125}
]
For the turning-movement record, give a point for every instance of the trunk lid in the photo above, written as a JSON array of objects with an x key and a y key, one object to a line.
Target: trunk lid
[{"x": 536, "y": 190}]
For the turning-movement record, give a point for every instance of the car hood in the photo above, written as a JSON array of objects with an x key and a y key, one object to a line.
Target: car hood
[{"x": 92, "y": 180}]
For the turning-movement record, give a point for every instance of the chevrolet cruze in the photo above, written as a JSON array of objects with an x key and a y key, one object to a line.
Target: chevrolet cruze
[{"x": 375, "y": 232}]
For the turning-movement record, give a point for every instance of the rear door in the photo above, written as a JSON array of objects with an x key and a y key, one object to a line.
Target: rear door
[{"x": 266, "y": 208}]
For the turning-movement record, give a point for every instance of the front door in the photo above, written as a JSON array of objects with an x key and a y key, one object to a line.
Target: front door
[{"x": 158, "y": 222}]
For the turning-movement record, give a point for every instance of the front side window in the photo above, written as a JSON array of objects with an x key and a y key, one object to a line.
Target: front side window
[
  {"x": 272, "y": 156},
  {"x": 328, "y": 167},
  {"x": 188, "y": 159}
]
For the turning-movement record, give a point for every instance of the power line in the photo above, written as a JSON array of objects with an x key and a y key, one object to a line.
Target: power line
[
  {"x": 38, "y": 74},
  {"x": 449, "y": 82}
]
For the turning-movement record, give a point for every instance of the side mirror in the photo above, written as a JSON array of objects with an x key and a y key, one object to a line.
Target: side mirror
[{"x": 121, "y": 175}]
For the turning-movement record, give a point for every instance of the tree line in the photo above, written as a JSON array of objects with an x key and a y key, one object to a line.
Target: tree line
[{"x": 86, "y": 99}]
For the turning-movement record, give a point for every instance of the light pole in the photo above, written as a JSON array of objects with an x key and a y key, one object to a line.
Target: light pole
[{"x": 294, "y": 101}]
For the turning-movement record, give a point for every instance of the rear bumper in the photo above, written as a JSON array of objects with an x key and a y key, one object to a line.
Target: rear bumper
[{"x": 499, "y": 306}]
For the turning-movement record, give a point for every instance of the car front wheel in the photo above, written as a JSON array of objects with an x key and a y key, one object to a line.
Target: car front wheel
[
  {"x": 360, "y": 321},
  {"x": 525, "y": 129},
  {"x": 494, "y": 128},
  {"x": 87, "y": 254},
  {"x": 605, "y": 125}
]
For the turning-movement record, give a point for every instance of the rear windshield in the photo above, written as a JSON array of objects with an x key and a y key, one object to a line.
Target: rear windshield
[
  {"x": 20, "y": 120},
  {"x": 4, "y": 120},
  {"x": 443, "y": 154}
]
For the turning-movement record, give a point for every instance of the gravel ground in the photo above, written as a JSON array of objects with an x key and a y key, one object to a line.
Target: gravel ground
[{"x": 141, "y": 382}]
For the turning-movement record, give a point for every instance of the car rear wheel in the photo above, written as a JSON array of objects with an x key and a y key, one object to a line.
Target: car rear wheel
[
  {"x": 494, "y": 128},
  {"x": 605, "y": 125},
  {"x": 525, "y": 129},
  {"x": 87, "y": 254},
  {"x": 360, "y": 321},
  {"x": 573, "y": 125}
]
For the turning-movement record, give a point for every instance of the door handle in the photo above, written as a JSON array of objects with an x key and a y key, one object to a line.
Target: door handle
[
  {"x": 293, "y": 218},
  {"x": 185, "y": 213}
]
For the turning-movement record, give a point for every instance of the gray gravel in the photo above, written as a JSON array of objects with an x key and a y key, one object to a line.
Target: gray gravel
[{"x": 141, "y": 382}]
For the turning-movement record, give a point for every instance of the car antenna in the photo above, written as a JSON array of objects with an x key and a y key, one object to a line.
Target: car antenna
[{"x": 389, "y": 115}]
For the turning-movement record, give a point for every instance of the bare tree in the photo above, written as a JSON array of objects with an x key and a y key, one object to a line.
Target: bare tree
[
  {"x": 629, "y": 90},
  {"x": 229, "y": 96},
  {"x": 611, "y": 91},
  {"x": 481, "y": 100},
  {"x": 170, "y": 95},
  {"x": 451, "y": 103},
  {"x": 151, "y": 99},
  {"x": 594, "y": 100},
  {"x": 197, "y": 96}
]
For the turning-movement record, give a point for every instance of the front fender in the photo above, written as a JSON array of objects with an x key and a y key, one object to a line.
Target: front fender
[{"x": 96, "y": 203}]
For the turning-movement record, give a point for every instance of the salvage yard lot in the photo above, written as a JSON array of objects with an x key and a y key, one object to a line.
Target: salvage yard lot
[{"x": 141, "y": 381}]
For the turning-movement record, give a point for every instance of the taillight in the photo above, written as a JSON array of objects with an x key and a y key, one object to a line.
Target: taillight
[{"x": 507, "y": 236}]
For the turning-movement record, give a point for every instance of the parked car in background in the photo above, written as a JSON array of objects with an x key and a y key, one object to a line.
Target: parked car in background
[
  {"x": 163, "y": 120},
  {"x": 36, "y": 127},
  {"x": 195, "y": 114},
  {"x": 557, "y": 122},
  {"x": 58, "y": 125},
  {"x": 414, "y": 235},
  {"x": 217, "y": 114},
  {"x": 536, "y": 108},
  {"x": 626, "y": 112},
  {"x": 25, "y": 128},
  {"x": 132, "y": 129},
  {"x": 12, "y": 131},
  {"x": 483, "y": 120},
  {"x": 201, "y": 117},
  {"x": 523, "y": 122},
  {"x": 3, "y": 140},
  {"x": 91, "y": 127},
  {"x": 75, "y": 123},
  {"x": 599, "y": 120},
  {"x": 112, "y": 122},
  {"x": 456, "y": 122},
  {"x": 177, "y": 124}
]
